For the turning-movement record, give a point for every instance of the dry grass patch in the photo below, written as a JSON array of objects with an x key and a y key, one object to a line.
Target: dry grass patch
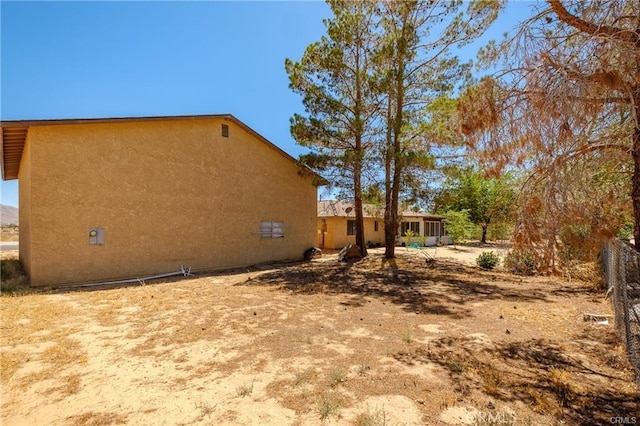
[
  {"x": 32, "y": 319},
  {"x": 63, "y": 353},
  {"x": 97, "y": 419},
  {"x": 72, "y": 385},
  {"x": 10, "y": 362},
  {"x": 52, "y": 361}
]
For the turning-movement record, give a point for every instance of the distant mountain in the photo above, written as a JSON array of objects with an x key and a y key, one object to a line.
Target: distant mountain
[{"x": 8, "y": 215}]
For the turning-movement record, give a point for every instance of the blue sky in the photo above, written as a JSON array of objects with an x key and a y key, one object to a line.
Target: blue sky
[{"x": 118, "y": 59}]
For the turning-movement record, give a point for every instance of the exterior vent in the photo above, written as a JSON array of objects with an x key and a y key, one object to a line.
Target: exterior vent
[{"x": 225, "y": 130}]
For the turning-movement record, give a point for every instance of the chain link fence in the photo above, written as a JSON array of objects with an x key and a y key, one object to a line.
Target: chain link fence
[{"x": 621, "y": 266}]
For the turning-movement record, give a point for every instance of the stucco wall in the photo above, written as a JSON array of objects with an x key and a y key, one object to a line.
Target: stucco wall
[
  {"x": 370, "y": 234},
  {"x": 336, "y": 232},
  {"x": 166, "y": 193}
]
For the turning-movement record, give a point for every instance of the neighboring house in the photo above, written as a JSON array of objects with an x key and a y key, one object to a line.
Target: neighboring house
[
  {"x": 426, "y": 229},
  {"x": 104, "y": 199},
  {"x": 336, "y": 226}
]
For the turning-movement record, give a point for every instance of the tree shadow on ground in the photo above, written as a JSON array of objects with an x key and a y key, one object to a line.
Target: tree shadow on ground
[
  {"x": 552, "y": 378},
  {"x": 439, "y": 288}
]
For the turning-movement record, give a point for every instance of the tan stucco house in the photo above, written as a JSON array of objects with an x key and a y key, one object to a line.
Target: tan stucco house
[
  {"x": 104, "y": 199},
  {"x": 336, "y": 226}
]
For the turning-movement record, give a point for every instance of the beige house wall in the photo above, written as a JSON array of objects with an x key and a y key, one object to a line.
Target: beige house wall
[
  {"x": 370, "y": 234},
  {"x": 336, "y": 232},
  {"x": 166, "y": 194}
]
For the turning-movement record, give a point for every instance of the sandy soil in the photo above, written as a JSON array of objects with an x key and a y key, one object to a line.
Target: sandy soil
[{"x": 375, "y": 342}]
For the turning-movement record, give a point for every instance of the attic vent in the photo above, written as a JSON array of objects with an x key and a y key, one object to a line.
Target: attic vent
[{"x": 225, "y": 130}]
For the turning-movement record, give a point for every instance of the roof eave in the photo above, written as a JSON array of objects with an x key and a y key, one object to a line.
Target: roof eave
[{"x": 14, "y": 155}]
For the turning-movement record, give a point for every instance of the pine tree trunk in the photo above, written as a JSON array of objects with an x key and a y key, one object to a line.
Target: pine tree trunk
[
  {"x": 635, "y": 178},
  {"x": 389, "y": 235},
  {"x": 359, "y": 155},
  {"x": 360, "y": 239},
  {"x": 390, "y": 222},
  {"x": 394, "y": 137},
  {"x": 635, "y": 184}
]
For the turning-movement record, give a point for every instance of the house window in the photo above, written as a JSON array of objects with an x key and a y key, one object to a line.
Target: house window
[
  {"x": 351, "y": 227},
  {"x": 434, "y": 229},
  {"x": 375, "y": 226},
  {"x": 225, "y": 130},
  {"x": 272, "y": 229},
  {"x": 412, "y": 226}
]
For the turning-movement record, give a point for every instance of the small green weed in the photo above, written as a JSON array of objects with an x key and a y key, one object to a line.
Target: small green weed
[
  {"x": 407, "y": 336},
  {"x": 456, "y": 365}
]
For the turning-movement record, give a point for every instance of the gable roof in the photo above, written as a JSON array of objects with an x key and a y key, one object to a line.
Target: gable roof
[
  {"x": 333, "y": 208},
  {"x": 14, "y": 136}
]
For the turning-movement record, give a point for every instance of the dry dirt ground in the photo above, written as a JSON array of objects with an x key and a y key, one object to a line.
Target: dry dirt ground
[
  {"x": 374, "y": 342},
  {"x": 9, "y": 233}
]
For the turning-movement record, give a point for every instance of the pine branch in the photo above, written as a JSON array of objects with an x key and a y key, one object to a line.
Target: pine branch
[{"x": 619, "y": 34}]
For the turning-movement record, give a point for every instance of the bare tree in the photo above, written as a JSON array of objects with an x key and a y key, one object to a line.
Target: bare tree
[
  {"x": 566, "y": 108},
  {"x": 608, "y": 68}
]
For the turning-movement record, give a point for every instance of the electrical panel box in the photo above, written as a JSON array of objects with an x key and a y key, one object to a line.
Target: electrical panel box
[{"x": 96, "y": 236}]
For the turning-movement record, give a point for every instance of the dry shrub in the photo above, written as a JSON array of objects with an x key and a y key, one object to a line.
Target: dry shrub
[
  {"x": 376, "y": 418},
  {"x": 588, "y": 272},
  {"x": 569, "y": 207},
  {"x": 520, "y": 262},
  {"x": 12, "y": 276},
  {"x": 539, "y": 401},
  {"x": 492, "y": 379},
  {"x": 328, "y": 404},
  {"x": 563, "y": 385}
]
